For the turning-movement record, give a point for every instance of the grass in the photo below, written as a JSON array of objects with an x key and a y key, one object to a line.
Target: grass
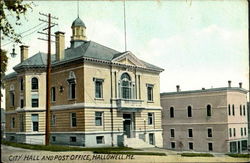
[
  {"x": 130, "y": 153},
  {"x": 196, "y": 154},
  {"x": 238, "y": 155},
  {"x": 63, "y": 148}
]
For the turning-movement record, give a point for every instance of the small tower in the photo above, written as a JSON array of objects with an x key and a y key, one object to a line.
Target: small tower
[{"x": 78, "y": 32}]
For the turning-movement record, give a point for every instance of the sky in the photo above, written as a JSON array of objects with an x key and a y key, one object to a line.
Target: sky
[{"x": 197, "y": 43}]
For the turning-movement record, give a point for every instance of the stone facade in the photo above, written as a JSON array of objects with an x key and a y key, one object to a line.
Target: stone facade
[
  {"x": 99, "y": 96},
  {"x": 205, "y": 120}
]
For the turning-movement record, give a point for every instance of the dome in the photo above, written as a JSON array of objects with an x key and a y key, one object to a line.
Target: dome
[{"x": 78, "y": 23}]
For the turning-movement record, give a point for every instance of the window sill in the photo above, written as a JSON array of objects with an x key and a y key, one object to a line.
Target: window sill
[
  {"x": 72, "y": 99},
  {"x": 34, "y": 90},
  {"x": 100, "y": 99},
  {"x": 150, "y": 101}
]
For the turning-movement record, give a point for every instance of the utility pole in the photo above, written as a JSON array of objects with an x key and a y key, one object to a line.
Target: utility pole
[{"x": 50, "y": 25}]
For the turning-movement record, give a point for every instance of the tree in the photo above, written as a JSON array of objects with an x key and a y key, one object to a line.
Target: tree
[{"x": 10, "y": 9}]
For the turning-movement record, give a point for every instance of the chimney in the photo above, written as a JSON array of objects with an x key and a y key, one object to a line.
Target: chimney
[
  {"x": 229, "y": 83},
  {"x": 24, "y": 52},
  {"x": 240, "y": 85},
  {"x": 60, "y": 45},
  {"x": 178, "y": 88}
]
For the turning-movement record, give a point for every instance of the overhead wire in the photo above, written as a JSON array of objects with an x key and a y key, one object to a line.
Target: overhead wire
[{"x": 31, "y": 29}]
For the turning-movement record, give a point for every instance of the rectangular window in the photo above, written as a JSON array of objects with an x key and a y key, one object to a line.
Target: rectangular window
[
  {"x": 98, "y": 88},
  {"x": 245, "y": 131},
  {"x": 150, "y": 92},
  {"x": 234, "y": 132},
  {"x": 12, "y": 98},
  {"x": 53, "y": 94},
  {"x": 72, "y": 139},
  {"x": 73, "y": 119},
  {"x": 233, "y": 147},
  {"x": 244, "y": 110},
  {"x": 172, "y": 134},
  {"x": 100, "y": 140},
  {"x": 240, "y": 110},
  {"x": 72, "y": 90},
  {"x": 173, "y": 145},
  {"x": 151, "y": 138},
  {"x": 210, "y": 146},
  {"x": 35, "y": 122},
  {"x": 230, "y": 132},
  {"x": 21, "y": 84},
  {"x": 21, "y": 103},
  {"x": 190, "y": 133},
  {"x": 189, "y": 111},
  {"x": 13, "y": 122},
  {"x": 53, "y": 138},
  {"x": 229, "y": 109},
  {"x": 53, "y": 120},
  {"x": 209, "y": 133},
  {"x": 241, "y": 131},
  {"x": 34, "y": 100},
  {"x": 190, "y": 145},
  {"x": 172, "y": 112},
  {"x": 98, "y": 118},
  {"x": 233, "y": 109},
  {"x": 150, "y": 118}
]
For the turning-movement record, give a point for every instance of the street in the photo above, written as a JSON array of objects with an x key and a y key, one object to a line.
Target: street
[{"x": 12, "y": 154}]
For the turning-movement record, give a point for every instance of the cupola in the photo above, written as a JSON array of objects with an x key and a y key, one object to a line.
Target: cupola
[{"x": 78, "y": 32}]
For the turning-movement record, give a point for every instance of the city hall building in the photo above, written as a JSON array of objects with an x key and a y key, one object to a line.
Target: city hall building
[
  {"x": 206, "y": 120},
  {"x": 99, "y": 96}
]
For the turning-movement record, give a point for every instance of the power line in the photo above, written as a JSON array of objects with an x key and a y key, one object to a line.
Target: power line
[{"x": 27, "y": 34}]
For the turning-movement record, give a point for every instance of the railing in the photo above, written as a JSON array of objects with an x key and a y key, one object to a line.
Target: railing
[{"x": 128, "y": 103}]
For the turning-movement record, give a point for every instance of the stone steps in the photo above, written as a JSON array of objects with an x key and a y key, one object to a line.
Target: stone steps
[{"x": 136, "y": 143}]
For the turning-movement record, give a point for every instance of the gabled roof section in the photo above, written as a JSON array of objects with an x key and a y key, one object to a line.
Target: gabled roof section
[{"x": 129, "y": 57}]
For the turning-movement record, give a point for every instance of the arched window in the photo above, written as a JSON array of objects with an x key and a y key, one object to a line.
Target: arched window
[
  {"x": 209, "y": 110},
  {"x": 171, "y": 112},
  {"x": 34, "y": 83},
  {"x": 125, "y": 86},
  {"x": 189, "y": 111}
]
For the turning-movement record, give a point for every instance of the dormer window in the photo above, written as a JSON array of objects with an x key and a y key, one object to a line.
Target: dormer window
[{"x": 34, "y": 83}]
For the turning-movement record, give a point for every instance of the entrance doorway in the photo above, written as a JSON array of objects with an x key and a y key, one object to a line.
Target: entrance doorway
[{"x": 127, "y": 121}]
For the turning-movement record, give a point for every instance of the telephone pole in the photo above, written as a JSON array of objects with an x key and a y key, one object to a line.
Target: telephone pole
[{"x": 50, "y": 25}]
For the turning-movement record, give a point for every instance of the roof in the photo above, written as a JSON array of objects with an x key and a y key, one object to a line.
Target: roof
[
  {"x": 36, "y": 61},
  {"x": 10, "y": 75},
  {"x": 206, "y": 90},
  {"x": 78, "y": 23},
  {"x": 88, "y": 49}
]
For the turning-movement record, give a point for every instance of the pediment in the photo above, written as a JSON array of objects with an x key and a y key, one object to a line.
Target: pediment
[{"x": 128, "y": 58}]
